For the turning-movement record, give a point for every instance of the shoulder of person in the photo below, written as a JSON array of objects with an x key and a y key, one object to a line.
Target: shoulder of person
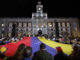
[
  {"x": 10, "y": 58},
  {"x": 49, "y": 54},
  {"x": 36, "y": 52}
]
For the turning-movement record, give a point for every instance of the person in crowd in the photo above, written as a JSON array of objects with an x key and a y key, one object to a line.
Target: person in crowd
[
  {"x": 27, "y": 53},
  {"x": 2, "y": 56},
  {"x": 42, "y": 54},
  {"x": 6, "y": 41},
  {"x": 21, "y": 38},
  {"x": 62, "y": 39},
  {"x": 57, "y": 40},
  {"x": 78, "y": 41},
  {"x": 17, "y": 40},
  {"x": 19, "y": 54},
  {"x": 74, "y": 42},
  {"x": 13, "y": 39},
  {"x": 48, "y": 38},
  {"x": 60, "y": 55},
  {"x": 67, "y": 41},
  {"x": 3, "y": 41},
  {"x": 76, "y": 53},
  {"x": 39, "y": 32},
  {"x": 10, "y": 41},
  {"x": 54, "y": 38}
]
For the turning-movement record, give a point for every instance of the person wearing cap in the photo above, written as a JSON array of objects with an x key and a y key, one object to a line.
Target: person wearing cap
[
  {"x": 42, "y": 54},
  {"x": 60, "y": 55}
]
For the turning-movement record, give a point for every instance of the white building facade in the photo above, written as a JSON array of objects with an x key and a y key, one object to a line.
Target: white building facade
[{"x": 40, "y": 21}]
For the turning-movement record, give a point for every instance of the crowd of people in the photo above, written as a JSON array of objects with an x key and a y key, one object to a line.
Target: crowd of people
[
  {"x": 25, "y": 53},
  {"x": 64, "y": 40},
  {"x": 6, "y": 40}
]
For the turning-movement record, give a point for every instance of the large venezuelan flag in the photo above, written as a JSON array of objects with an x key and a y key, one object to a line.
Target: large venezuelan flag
[{"x": 35, "y": 42}]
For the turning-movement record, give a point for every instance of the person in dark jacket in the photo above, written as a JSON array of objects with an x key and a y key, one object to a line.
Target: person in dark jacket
[
  {"x": 75, "y": 53},
  {"x": 42, "y": 54},
  {"x": 40, "y": 32},
  {"x": 27, "y": 53},
  {"x": 60, "y": 55},
  {"x": 19, "y": 53}
]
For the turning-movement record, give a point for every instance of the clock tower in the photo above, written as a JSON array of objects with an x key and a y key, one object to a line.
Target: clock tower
[
  {"x": 39, "y": 8},
  {"x": 39, "y": 12},
  {"x": 39, "y": 20}
]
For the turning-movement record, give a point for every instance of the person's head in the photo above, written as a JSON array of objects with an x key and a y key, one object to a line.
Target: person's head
[
  {"x": 59, "y": 50},
  {"x": 19, "y": 52},
  {"x": 27, "y": 52},
  {"x": 76, "y": 50},
  {"x": 42, "y": 46},
  {"x": 4, "y": 40},
  {"x": 10, "y": 41}
]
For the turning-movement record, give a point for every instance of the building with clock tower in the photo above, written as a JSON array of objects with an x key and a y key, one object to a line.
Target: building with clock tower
[{"x": 40, "y": 21}]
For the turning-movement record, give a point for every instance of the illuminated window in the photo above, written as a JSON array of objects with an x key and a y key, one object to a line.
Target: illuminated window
[
  {"x": 24, "y": 24},
  {"x": 10, "y": 24},
  {"x": 20, "y": 24},
  {"x": 68, "y": 24},
  {"x": 63, "y": 24},
  {"x": 49, "y": 24},
  {"x": 53, "y": 24},
  {"x": 59, "y": 24}
]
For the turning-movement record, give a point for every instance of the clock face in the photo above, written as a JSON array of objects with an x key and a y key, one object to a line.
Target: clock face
[{"x": 39, "y": 8}]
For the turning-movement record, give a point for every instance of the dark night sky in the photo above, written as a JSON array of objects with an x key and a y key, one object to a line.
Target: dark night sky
[{"x": 24, "y": 8}]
